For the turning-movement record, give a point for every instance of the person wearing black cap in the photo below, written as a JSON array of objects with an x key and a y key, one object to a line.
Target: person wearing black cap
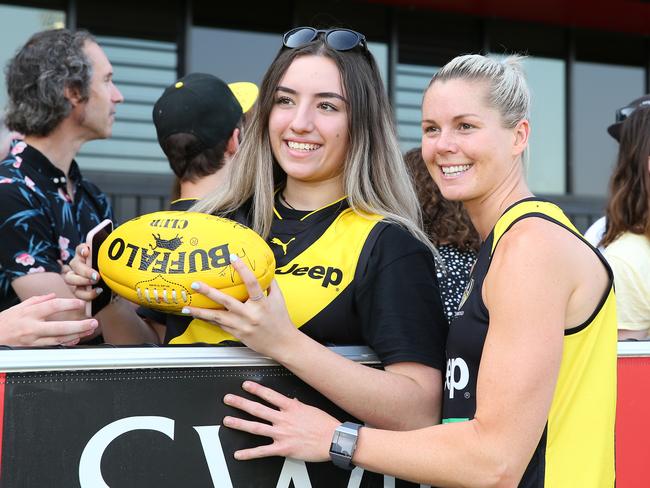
[
  {"x": 623, "y": 113},
  {"x": 198, "y": 123},
  {"x": 596, "y": 231}
]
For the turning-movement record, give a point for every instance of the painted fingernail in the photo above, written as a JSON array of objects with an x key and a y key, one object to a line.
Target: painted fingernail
[
  {"x": 195, "y": 285},
  {"x": 234, "y": 258},
  {"x": 98, "y": 290},
  {"x": 185, "y": 310},
  {"x": 94, "y": 277}
]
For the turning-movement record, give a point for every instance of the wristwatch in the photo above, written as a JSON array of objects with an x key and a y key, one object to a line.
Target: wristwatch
[{"x": 344, "y": 442}]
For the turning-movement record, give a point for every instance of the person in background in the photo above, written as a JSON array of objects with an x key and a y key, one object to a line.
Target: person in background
[
  {"x": 627, "y": 239},
  {"x": 449, "y": 228},
  {"x": 198, "y": 122},
  {"x": 61, "y": 95},
  {"x": 596, "y": 231},
  {"x": 530, "y": 388}
]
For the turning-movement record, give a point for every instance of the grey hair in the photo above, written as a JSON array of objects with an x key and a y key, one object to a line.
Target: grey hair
[
  {"x": 38, "y": 75},
  {"x": 508, "y": 90},
  {"x": 376, "y": 180}
]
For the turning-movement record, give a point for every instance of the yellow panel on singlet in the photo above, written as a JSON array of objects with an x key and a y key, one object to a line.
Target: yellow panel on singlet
[
  {"x": 312, "y": 280},
  {"x": 579, "y": 447}
]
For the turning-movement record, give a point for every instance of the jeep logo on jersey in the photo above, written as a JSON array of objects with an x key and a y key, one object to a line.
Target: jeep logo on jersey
[
  {"x": 142, "y": 258},
  {"x": 457, "y": 375},
  {"x": 329, "y": 275}
]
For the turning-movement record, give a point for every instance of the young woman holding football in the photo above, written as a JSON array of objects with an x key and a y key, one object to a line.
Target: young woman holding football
[
  {"x": 320, "y": 176},
  {"x": 530, "y": 390}
]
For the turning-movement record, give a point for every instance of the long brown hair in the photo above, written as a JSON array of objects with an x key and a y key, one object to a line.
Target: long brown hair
[
  {"x": 445, "y": 222},
  {"x": 628, "y": 208}
]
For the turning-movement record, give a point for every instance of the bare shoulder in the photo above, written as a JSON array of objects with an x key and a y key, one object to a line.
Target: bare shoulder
[
  {"x": 537, "y": 254},
  {"x": 545, "y": 240},
  {"x": 531, "y": 250}
]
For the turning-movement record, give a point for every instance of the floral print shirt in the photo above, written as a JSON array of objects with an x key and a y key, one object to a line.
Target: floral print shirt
[{"x": 40, "y": 224}]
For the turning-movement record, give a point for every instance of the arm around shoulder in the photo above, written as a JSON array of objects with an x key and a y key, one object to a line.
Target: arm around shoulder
[{"x": 527, "y": 297}]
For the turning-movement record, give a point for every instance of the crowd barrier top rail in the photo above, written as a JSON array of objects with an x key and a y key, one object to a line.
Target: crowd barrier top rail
[
  {"x": 130, "y": 357},
  {"x": 633, "y": 348},
  {"x": 103, "y": 357},
  {"x": 151, "y": 417}
]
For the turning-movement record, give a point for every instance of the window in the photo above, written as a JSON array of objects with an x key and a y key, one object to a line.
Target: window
[
  {"x": 410, "y": 82},
  {"x": 547, "y": 144},
  {"x": 18, "y": 25},
  {"x": 609, "y": 73},
  {"x": 427, "y": 40},
  {"x": 143, "y": 69},
  {"x": 379, "y": 51},
  {"x": 545, "y": 67},
  {"x": 232, "y": 55}
]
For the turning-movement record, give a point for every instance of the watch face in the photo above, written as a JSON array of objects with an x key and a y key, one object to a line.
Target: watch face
[{"x": 343, "y": 443}]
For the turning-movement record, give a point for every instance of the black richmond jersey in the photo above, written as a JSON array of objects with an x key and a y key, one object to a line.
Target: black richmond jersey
[{"x": 347, "y": 280}]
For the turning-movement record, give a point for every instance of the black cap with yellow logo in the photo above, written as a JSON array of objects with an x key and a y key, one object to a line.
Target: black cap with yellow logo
[{"x": 202, "y": 105}]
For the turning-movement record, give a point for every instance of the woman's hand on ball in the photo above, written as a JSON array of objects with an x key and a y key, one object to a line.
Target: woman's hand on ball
[
  {"x": 81, "y": 275},
  {"x": 262, "y": 322}
]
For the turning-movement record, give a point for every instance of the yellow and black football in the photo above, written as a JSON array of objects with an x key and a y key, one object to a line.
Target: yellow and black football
[{"x": 153, "y": 259}]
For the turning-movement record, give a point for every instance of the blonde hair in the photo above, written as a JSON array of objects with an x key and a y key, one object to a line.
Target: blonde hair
[
  {"x": 507, "y": 87},
  {"x": 376, "y": 180}
]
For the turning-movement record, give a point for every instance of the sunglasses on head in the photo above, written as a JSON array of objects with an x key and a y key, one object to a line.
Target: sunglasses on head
[
  {"x": 338, "y": 39},
  {"x": 625, "y": 112}
]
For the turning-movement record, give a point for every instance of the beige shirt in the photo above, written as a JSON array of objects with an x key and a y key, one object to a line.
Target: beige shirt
[{"x": 629, "y": 257}]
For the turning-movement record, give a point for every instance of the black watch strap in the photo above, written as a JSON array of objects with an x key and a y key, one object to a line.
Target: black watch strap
[{"x": 344, "y": 443}]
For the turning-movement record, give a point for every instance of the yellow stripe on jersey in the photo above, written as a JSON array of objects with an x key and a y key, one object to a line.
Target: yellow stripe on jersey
[
  {"x": 528, "y": 207},
  {"x": 582, "y": 416},
  {"x": 579, "y": 448},
  {"x": 312, "y": 280},
  {"x": 327, "y": 267}
]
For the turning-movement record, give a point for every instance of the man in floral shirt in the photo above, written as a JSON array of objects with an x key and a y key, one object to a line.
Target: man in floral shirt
[{"x": 61, "y": 95}]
